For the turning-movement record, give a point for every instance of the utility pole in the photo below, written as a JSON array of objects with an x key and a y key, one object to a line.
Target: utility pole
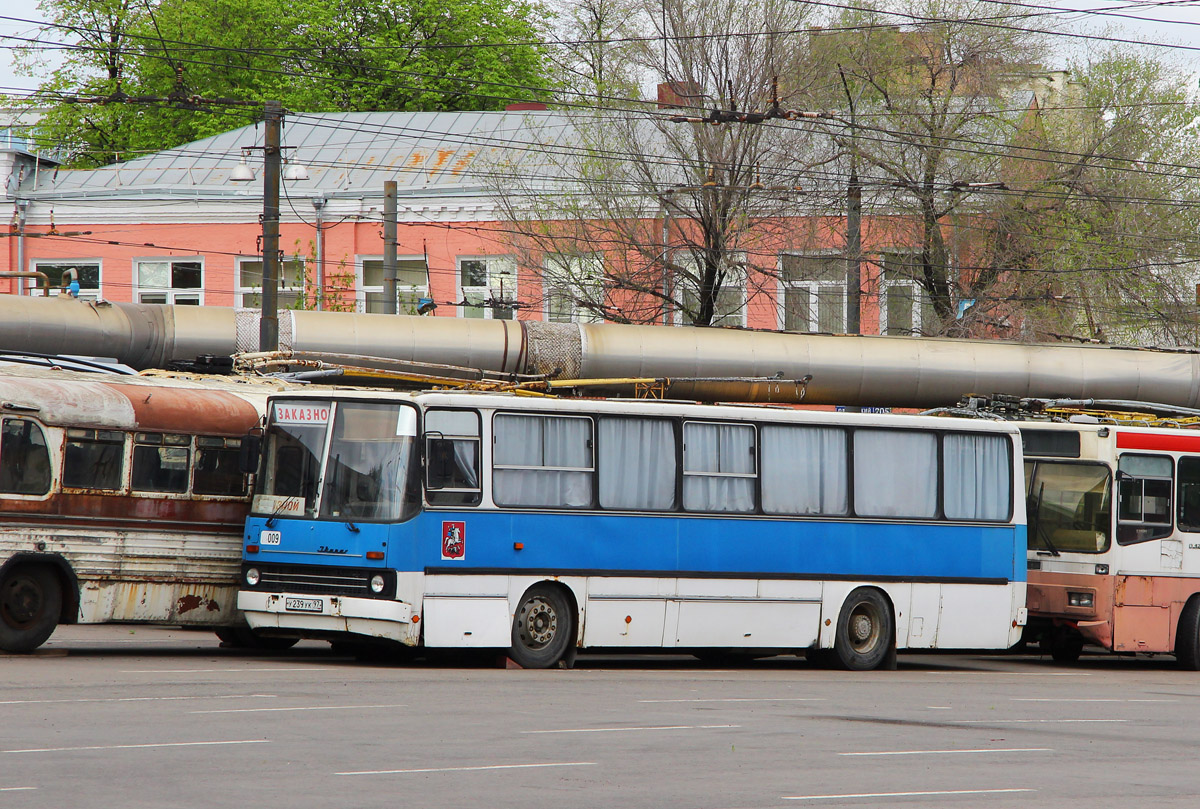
[
  {"x": 389, "y": 247},
  {"x": 268, "y": 329},
  {"x": 853, "y": 227}
]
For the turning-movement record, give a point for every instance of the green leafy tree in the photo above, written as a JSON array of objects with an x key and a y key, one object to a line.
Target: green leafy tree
[
  {"x": 1105, "y": 234},
  {"x": 312, "y": 55}
]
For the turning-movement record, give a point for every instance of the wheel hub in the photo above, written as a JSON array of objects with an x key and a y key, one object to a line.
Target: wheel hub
[
  {"x": 541, "y": 623},
  {"x": 20, "y": 603}
]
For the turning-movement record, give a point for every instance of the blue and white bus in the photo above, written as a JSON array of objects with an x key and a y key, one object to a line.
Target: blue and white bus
[{"x": 540, "y": 526}]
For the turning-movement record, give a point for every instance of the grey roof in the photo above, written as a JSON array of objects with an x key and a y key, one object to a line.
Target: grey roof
[{"x": 345, "y": 153}]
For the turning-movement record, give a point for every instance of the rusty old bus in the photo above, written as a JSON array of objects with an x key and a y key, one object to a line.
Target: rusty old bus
[{"x": 121, "y": 500}]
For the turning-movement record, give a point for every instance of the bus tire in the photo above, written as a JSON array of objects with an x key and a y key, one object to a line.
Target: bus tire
[
  {"x": 1064, "y": 646},
  {"x": 1187, "y": 636},
  {"x": 543, "y": 627},
  {"x": 30, "y": 606},
  {"x": 865, "y": 630}
]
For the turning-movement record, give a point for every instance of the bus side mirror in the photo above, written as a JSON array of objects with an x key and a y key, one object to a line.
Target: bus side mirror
[{"x": 248, "y": 454}]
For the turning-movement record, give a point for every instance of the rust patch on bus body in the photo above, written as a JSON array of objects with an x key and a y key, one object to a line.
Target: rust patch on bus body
[{"x": 207, "y": 412}]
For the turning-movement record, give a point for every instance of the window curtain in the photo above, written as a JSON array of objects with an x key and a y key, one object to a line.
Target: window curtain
[
  {"x": 637, "y": 463},
  {"x": 718, "y": 466},
  {"x": 804, "y": 470},
  {"x": 557, "y": 458},
  {"x": 895, "y": 473},
  {"x": 978, "y": 477}
]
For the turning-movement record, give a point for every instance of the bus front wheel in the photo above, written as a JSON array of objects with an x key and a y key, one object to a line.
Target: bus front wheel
[
  {"x": 1187, "y": 636},
  {"x": 543, "y": 627},
  {"x": 864, "y": 630},
  {"x": 30, "y": 605}
]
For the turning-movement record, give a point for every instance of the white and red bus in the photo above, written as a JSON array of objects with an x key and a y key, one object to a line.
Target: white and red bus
[
  {"x": 1114, "y": 538},
  {"x": 121, "y": 500}
]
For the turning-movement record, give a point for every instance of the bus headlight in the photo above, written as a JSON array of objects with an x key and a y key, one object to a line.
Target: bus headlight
[
  {"x": 377, "y": 583},
  {"x": 1080, "y": 600},
  {"x": 253, "y": 576}
]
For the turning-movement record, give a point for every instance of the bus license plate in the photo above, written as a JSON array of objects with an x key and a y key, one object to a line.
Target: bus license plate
[
  {"x": 304, "y": 604},
  {"x": 270, "y": 537}
]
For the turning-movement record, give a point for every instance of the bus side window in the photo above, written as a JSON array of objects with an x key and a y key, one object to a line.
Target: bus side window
[
  {"x": 217, "y": 470},
  {"x": 24, "y": 458},
  {"x": 542, "y": 460},
  {"x": 719, "y": 467},
  {"x": 1144, "y": 498},
  {"x": 452, "y": 457},
  {"x": 636, "y": 459},
  {"x": 93, "y": 459},
  {"x": 1189, "y": 494},
  {"x": 160, "y": 463}
]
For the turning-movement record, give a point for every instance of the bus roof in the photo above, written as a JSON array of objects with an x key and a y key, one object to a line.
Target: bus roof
[{"x": 184, "y": 404}]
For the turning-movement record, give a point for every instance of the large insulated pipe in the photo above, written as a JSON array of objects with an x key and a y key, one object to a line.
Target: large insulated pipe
[{"x": 849, "y": 370}]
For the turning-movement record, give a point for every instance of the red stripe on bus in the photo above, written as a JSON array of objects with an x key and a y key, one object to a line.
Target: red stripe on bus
[{"x": 1166, "y": 443}]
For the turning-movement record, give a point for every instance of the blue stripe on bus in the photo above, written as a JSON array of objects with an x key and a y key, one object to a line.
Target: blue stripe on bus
[{"x": 666, "y": 544}]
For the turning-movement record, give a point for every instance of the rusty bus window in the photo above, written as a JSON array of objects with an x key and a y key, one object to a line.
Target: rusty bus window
[
  {"x": 217, "y": 471},
  {"x": 24, "y": 458},
  {"x": 160, "y": 463},
  {"x": 93, "y": 459}
]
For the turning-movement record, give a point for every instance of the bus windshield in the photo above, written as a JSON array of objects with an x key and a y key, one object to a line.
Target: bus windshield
[
  {"x": 349, "y": 461},
  {"x": 1070, "y": 507}
]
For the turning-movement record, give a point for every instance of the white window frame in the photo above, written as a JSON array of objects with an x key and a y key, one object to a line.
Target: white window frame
[
  {"x": 32, "y": 286},
  {"x": 686, "y": 257},
  {"x": 564, "y": 283},
  {"x": 814, "y": 287},
  {"x": 885, "y": 287},
  {"x": 500, "y": 285},
  {"x": 193, "y": 295},
  {"x": 361, "y": 290},
  {"x": 290, "y": 290}
]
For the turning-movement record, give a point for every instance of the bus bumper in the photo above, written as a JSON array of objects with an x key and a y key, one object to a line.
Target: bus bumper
[{"x": 321, "y": 615}]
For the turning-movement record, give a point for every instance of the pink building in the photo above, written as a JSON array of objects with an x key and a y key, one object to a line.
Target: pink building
[{"x": 173, "y": 227}]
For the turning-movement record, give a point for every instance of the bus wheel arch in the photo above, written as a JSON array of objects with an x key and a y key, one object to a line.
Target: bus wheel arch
[
  {"x": 545, "y": 626},
  {"x": 865, "y": 635},
  {"x": 1187, "y": 635},
  {"x": 34, "y": 597}
]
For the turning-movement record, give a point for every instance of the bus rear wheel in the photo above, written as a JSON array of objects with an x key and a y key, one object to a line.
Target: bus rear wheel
[
  {"x": 1187, "y": 636},
  {"x": 864, "y": 630},
  {"x": 30, "y": 606},
  {"x": 543, "y": 628}
]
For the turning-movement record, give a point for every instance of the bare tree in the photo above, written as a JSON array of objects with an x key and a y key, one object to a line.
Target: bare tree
[
  {"x": 937, "y": 96},
  {"x": 629, "y": 216}
]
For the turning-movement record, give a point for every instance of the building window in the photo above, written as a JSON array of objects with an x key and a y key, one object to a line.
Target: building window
[
  {"x": 729, "y": 308},
  {"x": 487, "y": 286},
  {"x": 291, "y": 283},
  {"x": 57, "y": 278},
  {"x": 574, "y": 288},
  {"x": 412, "y": 284},
  {"x": 814, "y": 292},
  {"x": 904, "y": 308},
  {"x": 174, "y": 281}
]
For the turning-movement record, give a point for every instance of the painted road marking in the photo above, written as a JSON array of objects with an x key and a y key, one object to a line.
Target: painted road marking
[
  {"x": 135, "y": 746},
  {"x": 901, "y": 794},
  {"x": 1054, "y": 674},
  {"x": 630, "y": 730},
  {"x": 740, "y": 699},
  {"x": 1056, "y": 699},
  {"x": 953, "y": 752},
  {"x": 273, "y": 670},
  {"x": 311, "y": 708},
  {"x": 130, "y": 699},
  {"x": 16, "y": 789},
  {"x": 473, "y": 769},
  {"x": 1029, "y": 721}
]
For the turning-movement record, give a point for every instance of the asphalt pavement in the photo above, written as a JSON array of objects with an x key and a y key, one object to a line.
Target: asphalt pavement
[{"x": 131, "y": 717}]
